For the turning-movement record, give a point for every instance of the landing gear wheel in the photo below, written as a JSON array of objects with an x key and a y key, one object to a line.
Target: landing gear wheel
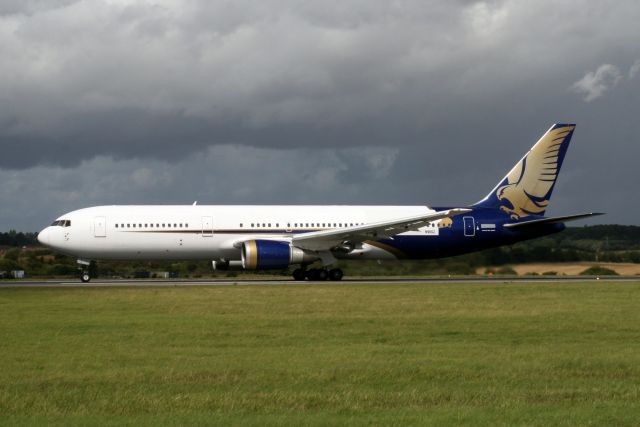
[
  {"x": 299, "y": 274},
  {"x": 322, "y": 274},
  {"x": 335, "y": 274},
  {"x": 85, "y": 277},
  {"x": 312, "y": 274}
]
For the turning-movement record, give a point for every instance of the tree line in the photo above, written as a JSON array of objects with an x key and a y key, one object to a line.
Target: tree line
[{"x": 599, "y": 243}]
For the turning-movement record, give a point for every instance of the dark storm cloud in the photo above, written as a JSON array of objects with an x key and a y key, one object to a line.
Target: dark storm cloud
[
  {"x": 138, "y": 79},
  {"x": 452, "y": 93}
]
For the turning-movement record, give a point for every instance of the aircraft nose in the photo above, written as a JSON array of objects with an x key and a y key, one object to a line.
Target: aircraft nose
[{"x": 43, "y": 236}]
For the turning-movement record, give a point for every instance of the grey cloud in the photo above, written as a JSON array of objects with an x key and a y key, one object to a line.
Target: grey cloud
[
  {"x": 375, "y": 101},
  {"x": 29, "y": 7},
  {"x": 224, "y": 174},
  {"x": 270, "y": 73},
  {"x": 634, "y": 70}
]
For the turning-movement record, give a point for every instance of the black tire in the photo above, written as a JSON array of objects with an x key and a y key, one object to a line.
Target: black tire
[
  {"x": 312, "y": 274},
  {"x": 299, "y": 274},
  {"x": 322, "y": 274},
  {"x": 85, "y": 277},
  {"x": 335, "y": 274}
]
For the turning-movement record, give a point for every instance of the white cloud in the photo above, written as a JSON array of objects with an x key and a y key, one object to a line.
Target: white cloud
[{"x": 594, "y": 84}]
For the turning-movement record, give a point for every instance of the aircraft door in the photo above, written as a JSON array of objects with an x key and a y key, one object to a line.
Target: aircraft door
[
  {"x": 99, "y": 226},
  {"x": 469, "y": 226},
  {"x": 207, "y": 226}
]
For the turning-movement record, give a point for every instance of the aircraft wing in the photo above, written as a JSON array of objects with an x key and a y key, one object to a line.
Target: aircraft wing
[{"x": 328, "y": 239}]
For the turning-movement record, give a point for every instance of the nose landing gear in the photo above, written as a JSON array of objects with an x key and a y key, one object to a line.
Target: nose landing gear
[{"x": 87, "y": 270}]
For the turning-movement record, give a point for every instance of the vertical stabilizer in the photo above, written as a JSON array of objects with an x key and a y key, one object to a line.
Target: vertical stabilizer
[{"x": 527, "y": 188}]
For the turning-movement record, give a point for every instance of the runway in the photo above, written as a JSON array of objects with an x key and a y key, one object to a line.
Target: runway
[{"x": 265, "y": 282}]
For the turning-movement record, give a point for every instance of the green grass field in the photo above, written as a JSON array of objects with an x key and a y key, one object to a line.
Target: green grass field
[{"x": 436, "y": 353}]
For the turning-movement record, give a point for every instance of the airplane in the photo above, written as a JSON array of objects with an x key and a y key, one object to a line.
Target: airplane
[{"x": 277, "y": 237}]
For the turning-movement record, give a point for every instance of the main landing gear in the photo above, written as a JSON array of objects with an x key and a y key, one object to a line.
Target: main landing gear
[{"x": 317, "y": 274}]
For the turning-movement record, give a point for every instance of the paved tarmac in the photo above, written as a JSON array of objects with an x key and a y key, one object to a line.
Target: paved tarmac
[{"x": 262, "y": 282}]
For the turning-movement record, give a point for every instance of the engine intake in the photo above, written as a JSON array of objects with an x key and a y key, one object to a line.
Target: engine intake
[{"x": 272, "y": 255}]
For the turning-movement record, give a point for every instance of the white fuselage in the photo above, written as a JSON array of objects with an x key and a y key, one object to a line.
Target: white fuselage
[{"x": 206, "y": 232}]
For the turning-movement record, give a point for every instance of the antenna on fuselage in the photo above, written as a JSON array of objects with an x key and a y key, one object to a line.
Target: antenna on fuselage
[{"x": 195, "y": 203}]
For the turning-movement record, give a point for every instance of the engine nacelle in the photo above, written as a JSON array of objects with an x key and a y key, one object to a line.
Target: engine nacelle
[{"x": 272, "y": 255}]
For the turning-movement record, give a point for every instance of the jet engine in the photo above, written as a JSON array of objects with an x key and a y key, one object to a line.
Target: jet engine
[{"x": 272, "y": 255}]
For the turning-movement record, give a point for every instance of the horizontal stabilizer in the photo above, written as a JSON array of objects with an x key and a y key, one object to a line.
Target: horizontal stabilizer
[{"x": 552, "y": 220}]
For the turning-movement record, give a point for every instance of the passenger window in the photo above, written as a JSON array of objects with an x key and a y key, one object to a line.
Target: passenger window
[
  {"x": 240, "y": 225},
  {"x": 116, "y": 225},
  {"x": 134, "y": 226}
]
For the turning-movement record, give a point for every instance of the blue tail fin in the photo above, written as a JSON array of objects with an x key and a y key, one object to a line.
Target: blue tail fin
[{"x": 527, "y": 188}]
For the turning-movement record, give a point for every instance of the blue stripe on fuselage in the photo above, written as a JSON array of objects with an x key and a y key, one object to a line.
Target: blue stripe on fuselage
[{"x": 452, "y": 240}]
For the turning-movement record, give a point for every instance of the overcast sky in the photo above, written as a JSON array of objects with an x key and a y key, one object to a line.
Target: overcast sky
[{"x": 311, "y": 102}]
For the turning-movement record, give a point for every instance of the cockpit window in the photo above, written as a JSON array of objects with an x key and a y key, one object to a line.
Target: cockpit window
[{"x": 61, "y": 223}]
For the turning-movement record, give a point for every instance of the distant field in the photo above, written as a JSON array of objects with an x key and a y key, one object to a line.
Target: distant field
[
  {"x": 572, "y": 268},
  {"x": 439, "y": 353}
]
